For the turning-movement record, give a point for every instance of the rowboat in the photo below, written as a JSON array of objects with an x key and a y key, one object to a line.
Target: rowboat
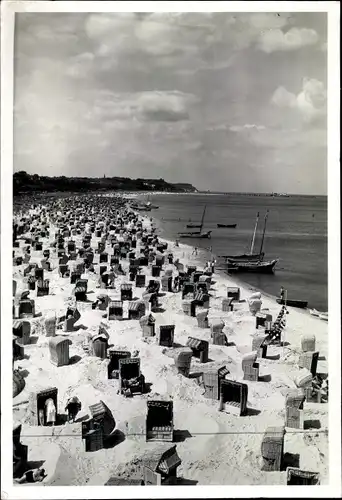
[
  {"x": 314, "y": 312},
  {"x": 323, "y": 316},
  {"x": 302, "y": 304},
  {"x": 226, "y": 225},
  {"x": 195, "y": 235}
]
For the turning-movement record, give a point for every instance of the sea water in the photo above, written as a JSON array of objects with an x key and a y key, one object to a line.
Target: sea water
[{"x": 296, "y": 234}]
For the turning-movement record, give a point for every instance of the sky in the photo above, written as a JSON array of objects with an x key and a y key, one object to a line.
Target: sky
[{"x": 225, "y": 101}]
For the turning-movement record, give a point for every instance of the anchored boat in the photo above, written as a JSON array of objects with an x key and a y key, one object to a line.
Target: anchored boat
[
  {"x": 318, "y": 314},
  {"x": 302, "y": 304},
  {"x": 254, "y": 265},
  {"x": 226, "y": 225},
  {"x": 196, "y": 234}
]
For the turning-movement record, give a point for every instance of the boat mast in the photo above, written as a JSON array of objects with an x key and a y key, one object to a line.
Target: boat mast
[
  {"x": 263, "y": 234},
  {"x": 253, "y": 239},
  {"x": 203, "y": 217}
]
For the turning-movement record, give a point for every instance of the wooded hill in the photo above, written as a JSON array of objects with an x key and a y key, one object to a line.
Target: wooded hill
[{"x": 24, "y": 183}]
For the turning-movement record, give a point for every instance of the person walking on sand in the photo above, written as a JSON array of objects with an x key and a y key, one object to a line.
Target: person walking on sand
[
  {"x": 73, "y": 406},
  {"x": 282, "y": 293},
  {"x": 194, "y": 252}
]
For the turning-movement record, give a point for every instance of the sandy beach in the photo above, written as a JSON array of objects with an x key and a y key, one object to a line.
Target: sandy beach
[{"x": 216, "y": 448}]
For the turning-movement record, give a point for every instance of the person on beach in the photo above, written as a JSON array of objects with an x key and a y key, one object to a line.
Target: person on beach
[
  {"x": 176, "y": 284},
  {"x": 32, "y": 476},
  {"x": 73, "y": 406},
  {"x": 50, "y": 412},
  {"x": 194, "y": 252},
  {"x": 212, "y": 264},
  {"x": 41, "y": 417},
  {"x": 282, "y": 293}
]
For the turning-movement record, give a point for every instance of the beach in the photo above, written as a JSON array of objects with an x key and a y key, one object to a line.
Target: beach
[{"x": 215, "y": 447}]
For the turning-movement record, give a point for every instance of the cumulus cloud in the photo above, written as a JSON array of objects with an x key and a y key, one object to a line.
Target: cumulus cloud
[
  {"x": 310, "y": 102},
  {"x": 163, "y": 35},
  {"x": 296, "y": 38},
  {"x": 156, "y": 34}
]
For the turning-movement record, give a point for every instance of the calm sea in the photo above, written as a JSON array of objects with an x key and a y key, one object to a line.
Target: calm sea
[{"x": 296, "y": 234}]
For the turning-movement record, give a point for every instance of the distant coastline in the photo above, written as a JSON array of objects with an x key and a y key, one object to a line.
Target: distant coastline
[{"x": 24, "y": 183}]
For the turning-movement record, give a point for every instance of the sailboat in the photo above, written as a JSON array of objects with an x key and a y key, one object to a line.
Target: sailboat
[
  {"x": 259, "y": 266},
  {"x": 196, "y": 234},
  {"x": 195, "y": 225},
  {"x": 250, "y": 257},
  {"x": 149, "y": 203}
]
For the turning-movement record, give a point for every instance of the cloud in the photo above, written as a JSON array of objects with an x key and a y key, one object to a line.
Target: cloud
[
  {"x": 276, "y": 139},
  {"x": 268, "y": 20},
  {"x": 44, "y": 34},
  {"x": 171, "y": 37},
  {"x": 163, "y": 106},
  {"x": 80, "y": 66},
  {"x": 296, "y": 38},
  {"x": 167, "y": 106},
  {"x": 247, "y": 126},
  {"x": 311, "y": 102},
  {"x": 99, "y": 25},
  {"x": 156, "y": 34},
  {"x": 283, "y": 98}
]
